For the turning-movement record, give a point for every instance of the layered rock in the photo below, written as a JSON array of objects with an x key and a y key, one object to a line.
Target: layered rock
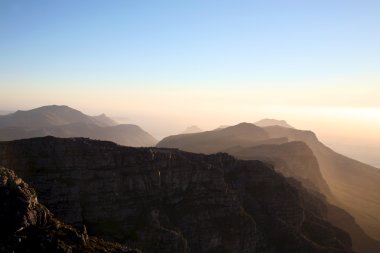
[{"x": 165, "y": 200}]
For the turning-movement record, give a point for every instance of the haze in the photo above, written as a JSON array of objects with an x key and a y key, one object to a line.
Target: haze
[{"x": 167, "y": 65}]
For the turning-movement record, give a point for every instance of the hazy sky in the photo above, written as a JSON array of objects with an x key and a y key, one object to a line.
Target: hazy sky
[{"x": 168, "y": 64}]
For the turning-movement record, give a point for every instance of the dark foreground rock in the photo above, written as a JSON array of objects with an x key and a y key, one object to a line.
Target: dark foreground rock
[
  {"x": 28, "y": 226},
  {"x": 165, "y": 200}
]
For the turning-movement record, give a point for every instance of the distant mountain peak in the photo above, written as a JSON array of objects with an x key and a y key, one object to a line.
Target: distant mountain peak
[
  {"x": 105, "y": 119},
  {"x": 53, "y": 107},
  {"x": 192, "y": 129},
  {"x": 272, "y": 122},
  {"x": 241, "y": 126},
  {"x": 221, "y": 127},
  {"x": 49, "y": 109},
  {"x": 227, "y": 137}
]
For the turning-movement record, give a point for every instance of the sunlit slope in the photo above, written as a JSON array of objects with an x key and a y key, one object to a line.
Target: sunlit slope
[
  {"x": 292, "y": 159},
  {"x": 355, "y": 185}
]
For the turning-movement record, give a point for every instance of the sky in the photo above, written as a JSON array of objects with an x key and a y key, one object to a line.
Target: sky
[{"x": 168, "y": 64}]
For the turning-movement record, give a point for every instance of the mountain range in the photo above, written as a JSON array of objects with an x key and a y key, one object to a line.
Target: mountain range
[
  {"x": 171, "y": 201},
  {"x": 346, "y": 183},
  {"x": 262, "y": 187},
  {"x": 63, "y": 121}
]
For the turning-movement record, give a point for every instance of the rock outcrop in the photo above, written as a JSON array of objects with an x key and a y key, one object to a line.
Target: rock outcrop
[
  {"x": 27, "y": 226},
  {"x": 165, "y": 200}
]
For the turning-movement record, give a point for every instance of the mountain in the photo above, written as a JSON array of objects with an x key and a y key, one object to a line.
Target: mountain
[
  {"x": 105, "y": 120},
  {"x": 52, "y": 115},
  {"x": 295, "y": 159},
  {"x": 217, "y": 140},
  {"x": 28, "y": 226},
  {"x": 272, "y": 122},
  {"x": 355, "y": 185},
  {"x": 166, "y": 200},
  {"x": 349, "y": 184},
  {"x": 192, "y": 129},
  {"x": 292, "y": 159},
  {"x": 63, "y": 121}
]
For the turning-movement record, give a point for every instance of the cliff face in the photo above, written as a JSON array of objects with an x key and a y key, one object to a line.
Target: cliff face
[
  {"x": 355, "y": 185},
  {"x": 28, "y": 226},
  {"x": 346, "y": 183},
  {"x": 165, "y": 200},
  {"x": 292, "y": 159},
  {"x": 244, "y": 141}
]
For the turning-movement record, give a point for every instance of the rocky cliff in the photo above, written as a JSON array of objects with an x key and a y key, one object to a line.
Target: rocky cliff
[
  {"x": 296, "y": 160},
  {"x": 355, "y": 185},
  {"x": 348, "y": 184},
  {"x": 292, "y": 159},
  {"x": 165, "y": 200},
  {"x": 28, "y": 226}
]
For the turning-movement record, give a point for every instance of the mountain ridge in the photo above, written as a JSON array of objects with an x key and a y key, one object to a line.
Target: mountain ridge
[
  {"x": 362, "y": 202},
  {"x": 51, "y": 115},
  {"x": 63, "y": 121},
  {"x": 272, "y": 122}
]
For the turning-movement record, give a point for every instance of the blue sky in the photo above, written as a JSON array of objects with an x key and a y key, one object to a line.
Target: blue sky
[{"x": 187, "y": 42}]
